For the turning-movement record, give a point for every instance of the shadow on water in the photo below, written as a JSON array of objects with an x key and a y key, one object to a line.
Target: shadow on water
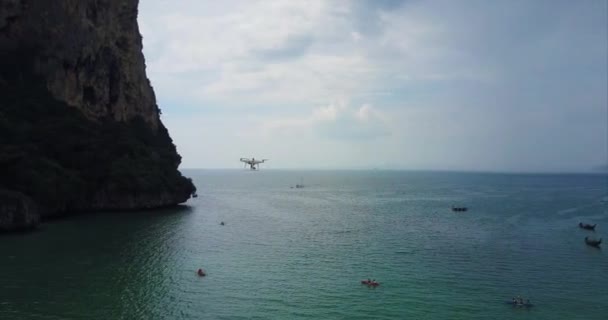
[
  {"x": 116, "y": 259},
  {"x": 49, "y": 220},
  {"x": 19, "y": 232}
]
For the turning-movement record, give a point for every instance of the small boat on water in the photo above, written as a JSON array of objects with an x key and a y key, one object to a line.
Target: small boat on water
[
  {"x": 301, "y": 184},
  {"x": 587, "y": 226},
  {"x": 592, "y": 242},
  {"x": 370, "y": 283},
  {"x": 520, "y": 304},
  {"x": 459, "y": 209}
]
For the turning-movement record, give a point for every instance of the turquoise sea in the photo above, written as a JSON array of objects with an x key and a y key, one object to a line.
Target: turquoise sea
[{"x": 288, "y": 253}]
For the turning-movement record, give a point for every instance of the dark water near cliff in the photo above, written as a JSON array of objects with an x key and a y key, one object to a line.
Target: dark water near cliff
[{"x": 300, "y": 253}]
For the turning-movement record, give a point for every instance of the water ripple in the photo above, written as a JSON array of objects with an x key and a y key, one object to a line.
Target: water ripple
[{"x": 300, "y": 254}]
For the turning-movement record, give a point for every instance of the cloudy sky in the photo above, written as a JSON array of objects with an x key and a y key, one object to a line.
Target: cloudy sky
[{"x": 448, "y": 85}]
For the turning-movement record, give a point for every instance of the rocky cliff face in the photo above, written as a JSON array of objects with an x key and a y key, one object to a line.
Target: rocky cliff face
[
  {"x": 79, "y": 124},
  {"x": 17, "y": 212},
  {"x": 88, "y": 51}
]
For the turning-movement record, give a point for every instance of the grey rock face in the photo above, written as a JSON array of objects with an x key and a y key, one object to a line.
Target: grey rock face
[
  {"x": 89, "y": 52},
  {"x": 79, "y": 124},
  {"x": 17, "y": 212}
]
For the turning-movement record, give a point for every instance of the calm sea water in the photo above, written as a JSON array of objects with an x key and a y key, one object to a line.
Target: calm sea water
[{"x": 301, "y": 253}]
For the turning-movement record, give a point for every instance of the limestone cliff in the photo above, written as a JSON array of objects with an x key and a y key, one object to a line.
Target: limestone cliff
[
  {"x": 17, "y": 212},
  {"x": 88, "y": 51},
  {"x": 79, "y": 123}
]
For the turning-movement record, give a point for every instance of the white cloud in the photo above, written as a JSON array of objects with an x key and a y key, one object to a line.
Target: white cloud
[
  {"x": 284, "y": 52},
  {"x": 439, "y": 83},
  {"x": 334, "y": 121}
]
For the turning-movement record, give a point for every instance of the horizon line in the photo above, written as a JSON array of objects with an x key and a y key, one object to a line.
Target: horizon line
[{"x": 590, "y": 172}]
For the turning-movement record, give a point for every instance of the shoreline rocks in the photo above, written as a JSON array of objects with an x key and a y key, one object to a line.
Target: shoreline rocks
[{"x": 18, "y": 212}]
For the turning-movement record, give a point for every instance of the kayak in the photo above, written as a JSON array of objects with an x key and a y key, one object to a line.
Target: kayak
[{"x": 369, "y": 283}]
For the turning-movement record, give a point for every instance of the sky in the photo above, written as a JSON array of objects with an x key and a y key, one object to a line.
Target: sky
[{"x": 511, "y": 86}]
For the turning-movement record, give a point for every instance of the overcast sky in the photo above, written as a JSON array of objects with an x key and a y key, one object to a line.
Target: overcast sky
[{"x": 448, "y": 85}]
